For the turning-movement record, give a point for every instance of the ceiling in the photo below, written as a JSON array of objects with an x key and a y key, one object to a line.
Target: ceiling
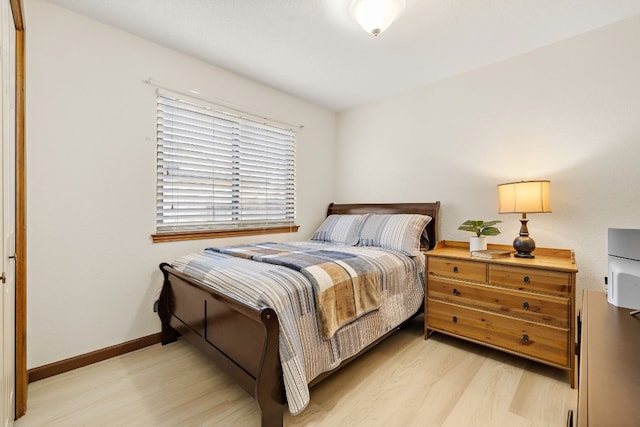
[{"x": 314, "y": 50}]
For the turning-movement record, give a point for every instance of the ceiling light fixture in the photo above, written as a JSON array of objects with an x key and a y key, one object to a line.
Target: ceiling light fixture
[{"x": 375, "y": 16}]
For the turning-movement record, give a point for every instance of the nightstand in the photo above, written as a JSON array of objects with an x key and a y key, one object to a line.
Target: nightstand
[{"x": 521, "y": 306}]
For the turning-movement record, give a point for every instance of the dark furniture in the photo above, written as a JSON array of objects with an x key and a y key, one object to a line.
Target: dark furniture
[
  {"x": 609, "y": 385},
  {"x": 242, "y": 339}
]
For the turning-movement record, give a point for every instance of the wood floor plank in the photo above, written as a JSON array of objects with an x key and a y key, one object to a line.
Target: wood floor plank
[
  {"x": 404, "y": 381},
  {"x": 487, "y": 398}
]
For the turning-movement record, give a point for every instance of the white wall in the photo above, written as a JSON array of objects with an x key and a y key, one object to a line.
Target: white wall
[
  {"x": 92, "y": 268},
  {"x": 569, "y": 112}
]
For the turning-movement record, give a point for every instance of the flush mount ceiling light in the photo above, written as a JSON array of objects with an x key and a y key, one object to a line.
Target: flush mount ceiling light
[{"x": 375, "y": 16}]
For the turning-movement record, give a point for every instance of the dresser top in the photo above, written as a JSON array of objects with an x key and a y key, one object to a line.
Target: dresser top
[{"x": 545, "y": 258}]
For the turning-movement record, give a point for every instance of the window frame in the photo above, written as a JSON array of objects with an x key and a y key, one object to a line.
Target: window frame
[{"x": 217, "y": 228}]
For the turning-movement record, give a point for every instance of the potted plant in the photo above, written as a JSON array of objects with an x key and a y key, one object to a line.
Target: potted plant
[{"x": 481, "y": 229}]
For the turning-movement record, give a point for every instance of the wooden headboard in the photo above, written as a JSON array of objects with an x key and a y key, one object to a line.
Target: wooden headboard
[{"x": 430, "y": 209}]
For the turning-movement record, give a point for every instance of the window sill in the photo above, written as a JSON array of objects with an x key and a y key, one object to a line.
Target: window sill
[{"x": 219, "y": 234}]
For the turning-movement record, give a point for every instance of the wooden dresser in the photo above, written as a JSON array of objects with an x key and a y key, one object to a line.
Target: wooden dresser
[
  {"x": 609, "y": 391},
  {"x": 522, "y": 306}
]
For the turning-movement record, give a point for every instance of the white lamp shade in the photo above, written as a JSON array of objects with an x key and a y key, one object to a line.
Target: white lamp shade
[
  {"x": 524, "y": 197},
  {"x": 375, "y": 16}
]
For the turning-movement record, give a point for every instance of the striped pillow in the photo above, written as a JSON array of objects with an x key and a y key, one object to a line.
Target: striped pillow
[
  {"x": 339, "y": 229},
  {"x": 399, "y": 232}
]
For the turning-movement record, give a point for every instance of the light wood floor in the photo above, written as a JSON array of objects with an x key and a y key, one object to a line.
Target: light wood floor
[{"x": 404, "y": 381}]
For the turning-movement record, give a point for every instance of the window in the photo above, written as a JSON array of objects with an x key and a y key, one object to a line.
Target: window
[{"x": 221, "y": 171}]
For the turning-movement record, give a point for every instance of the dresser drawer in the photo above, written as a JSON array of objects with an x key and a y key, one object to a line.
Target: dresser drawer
[
  {"x": 529, "y": 279},
  {"x": 547, "y": 309},
  {"x": 457, "y": 269},
  {"x": 526, "y": 338}
]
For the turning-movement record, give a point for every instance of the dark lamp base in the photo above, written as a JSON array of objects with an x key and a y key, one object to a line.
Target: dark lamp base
[
  {"x": 524, "y": 245},
  {"x": 523, "y": 255}
]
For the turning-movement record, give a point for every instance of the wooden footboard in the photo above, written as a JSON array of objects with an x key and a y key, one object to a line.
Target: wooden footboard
[{"x": 240, "y": 338}]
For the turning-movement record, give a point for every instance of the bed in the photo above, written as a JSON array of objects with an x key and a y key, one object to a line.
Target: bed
[{"x": 254, "y": 332}]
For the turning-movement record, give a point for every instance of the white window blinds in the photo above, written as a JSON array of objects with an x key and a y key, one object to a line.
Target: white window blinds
[{"x": 220, "y": 171}]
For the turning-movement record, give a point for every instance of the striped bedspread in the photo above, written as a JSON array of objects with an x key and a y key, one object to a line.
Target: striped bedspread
[
  {"x": 345, "y": 286},
  {"x": 304, "y": 353}
]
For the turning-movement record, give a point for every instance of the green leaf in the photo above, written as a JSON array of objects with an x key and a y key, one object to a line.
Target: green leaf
[
  {"x": 474, "y": 223},
  {"x": 489, "y": 231},
  {"x": 491, "y": 223},
  {"x": 468, "y": 228}
]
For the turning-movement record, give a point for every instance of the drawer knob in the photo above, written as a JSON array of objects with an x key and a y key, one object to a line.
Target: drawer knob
[
  {"x": 527, "y": 279},
  {"x": 525, "y": 338},
  {"x": 455, "y": 319},
  {"x": 525, "y": 305},
  {"x": 456, "y": 292},
  {"x": 455, "y": 268}
]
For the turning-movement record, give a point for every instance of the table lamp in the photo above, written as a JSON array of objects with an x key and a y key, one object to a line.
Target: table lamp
[{"x": 524, "y": 197}]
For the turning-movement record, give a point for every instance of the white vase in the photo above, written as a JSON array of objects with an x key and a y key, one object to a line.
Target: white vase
[{"x": 477, "y": 243}]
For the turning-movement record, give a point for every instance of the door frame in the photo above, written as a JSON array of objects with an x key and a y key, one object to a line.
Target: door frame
[{"x": 21, "y": 226}]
